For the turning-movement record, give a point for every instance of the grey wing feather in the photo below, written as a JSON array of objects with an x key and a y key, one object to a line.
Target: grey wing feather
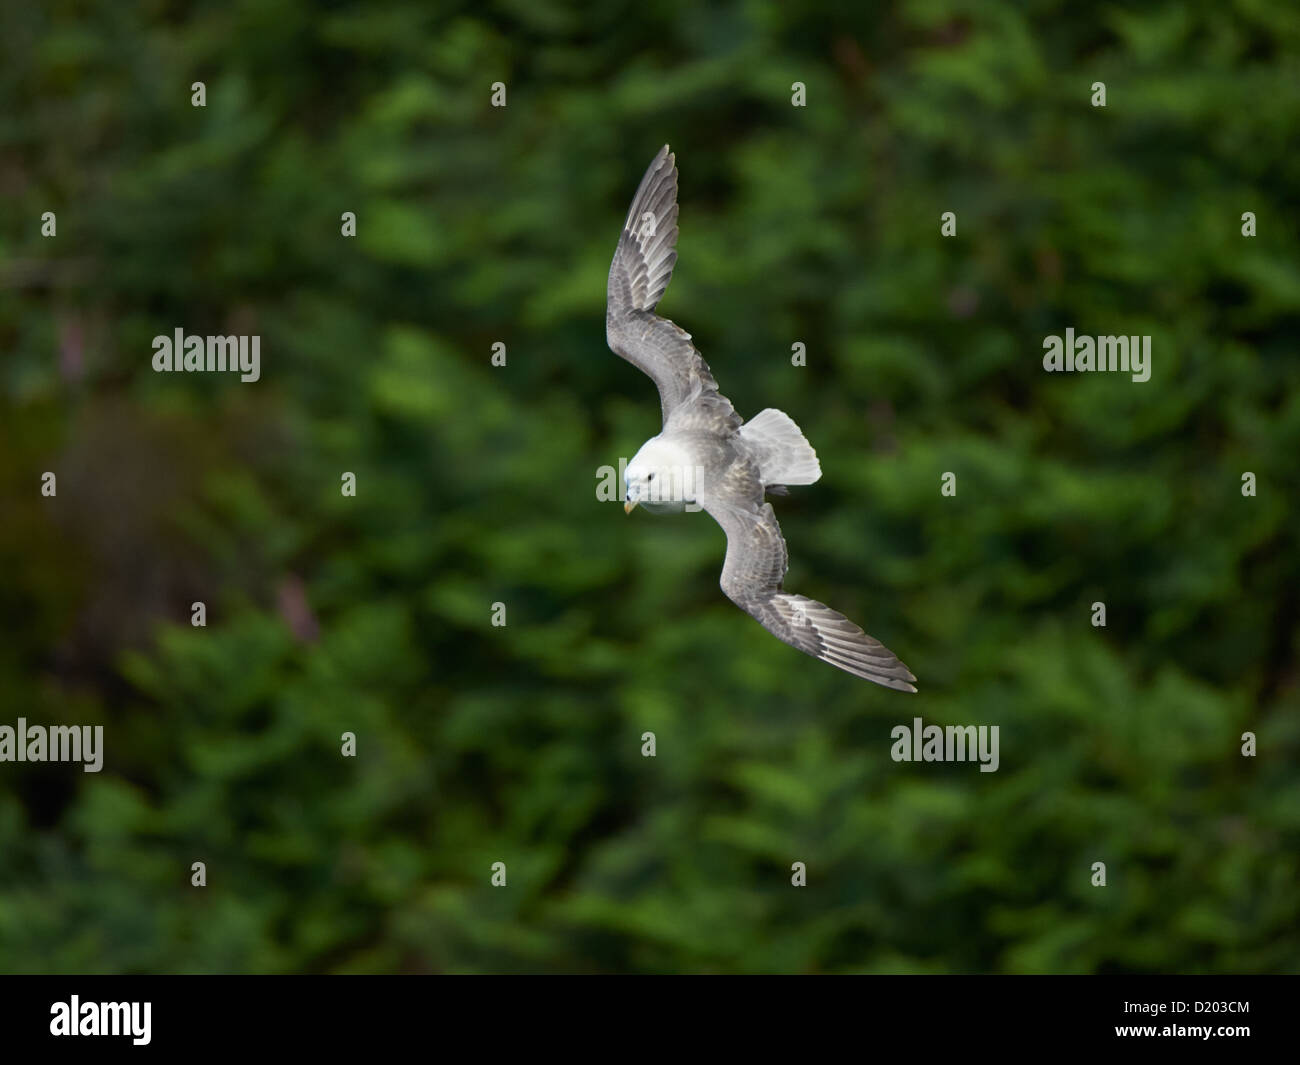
[
  {"x": 752, "y": 578},
  {"x": 638, "y": 276}
]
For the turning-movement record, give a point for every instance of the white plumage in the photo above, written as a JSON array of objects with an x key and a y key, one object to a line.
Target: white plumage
[{"x": 708, "y": 456}]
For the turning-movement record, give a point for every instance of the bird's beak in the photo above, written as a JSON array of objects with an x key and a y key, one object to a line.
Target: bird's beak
[{"x": 629, "y": 506}]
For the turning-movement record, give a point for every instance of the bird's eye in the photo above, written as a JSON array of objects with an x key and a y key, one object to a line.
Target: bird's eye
[{"x": 649, "y": 476}]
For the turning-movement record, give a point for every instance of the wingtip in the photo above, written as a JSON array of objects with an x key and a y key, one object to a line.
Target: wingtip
[{"x": 893, "y": 683}]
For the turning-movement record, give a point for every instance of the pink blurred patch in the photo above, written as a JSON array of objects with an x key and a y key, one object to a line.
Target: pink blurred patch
[
  {"x": 291, "y": 599},
  {"x": 963, "y": 301},
  {"x": 72, "y": 361}
]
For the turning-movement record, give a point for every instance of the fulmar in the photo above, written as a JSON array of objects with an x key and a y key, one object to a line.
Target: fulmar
[{"x": 708, "y": 456}]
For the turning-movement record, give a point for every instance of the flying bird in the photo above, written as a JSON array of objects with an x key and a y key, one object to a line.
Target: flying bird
[{"x": 708, "y": 457}]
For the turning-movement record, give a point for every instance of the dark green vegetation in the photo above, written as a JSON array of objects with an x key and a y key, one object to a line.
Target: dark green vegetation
[{"x": 476, "y": 744}]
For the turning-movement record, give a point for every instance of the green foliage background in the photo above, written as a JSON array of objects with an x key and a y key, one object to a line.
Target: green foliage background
[{"x": 477, "y": 485}]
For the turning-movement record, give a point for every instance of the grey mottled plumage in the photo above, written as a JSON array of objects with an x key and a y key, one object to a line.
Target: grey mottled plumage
[{"x": 708, "y": 456}]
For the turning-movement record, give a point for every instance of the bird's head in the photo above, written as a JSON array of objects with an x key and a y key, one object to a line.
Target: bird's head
[{"x": 661, "y": 475}]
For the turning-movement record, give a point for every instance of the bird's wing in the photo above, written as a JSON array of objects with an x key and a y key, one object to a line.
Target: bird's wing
[
  {"x": 638, "y": 276},
  {"x": 752, "y": 576}
]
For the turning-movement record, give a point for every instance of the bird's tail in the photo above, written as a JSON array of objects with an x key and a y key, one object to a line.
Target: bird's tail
[{"x": 784, "y": 455}]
